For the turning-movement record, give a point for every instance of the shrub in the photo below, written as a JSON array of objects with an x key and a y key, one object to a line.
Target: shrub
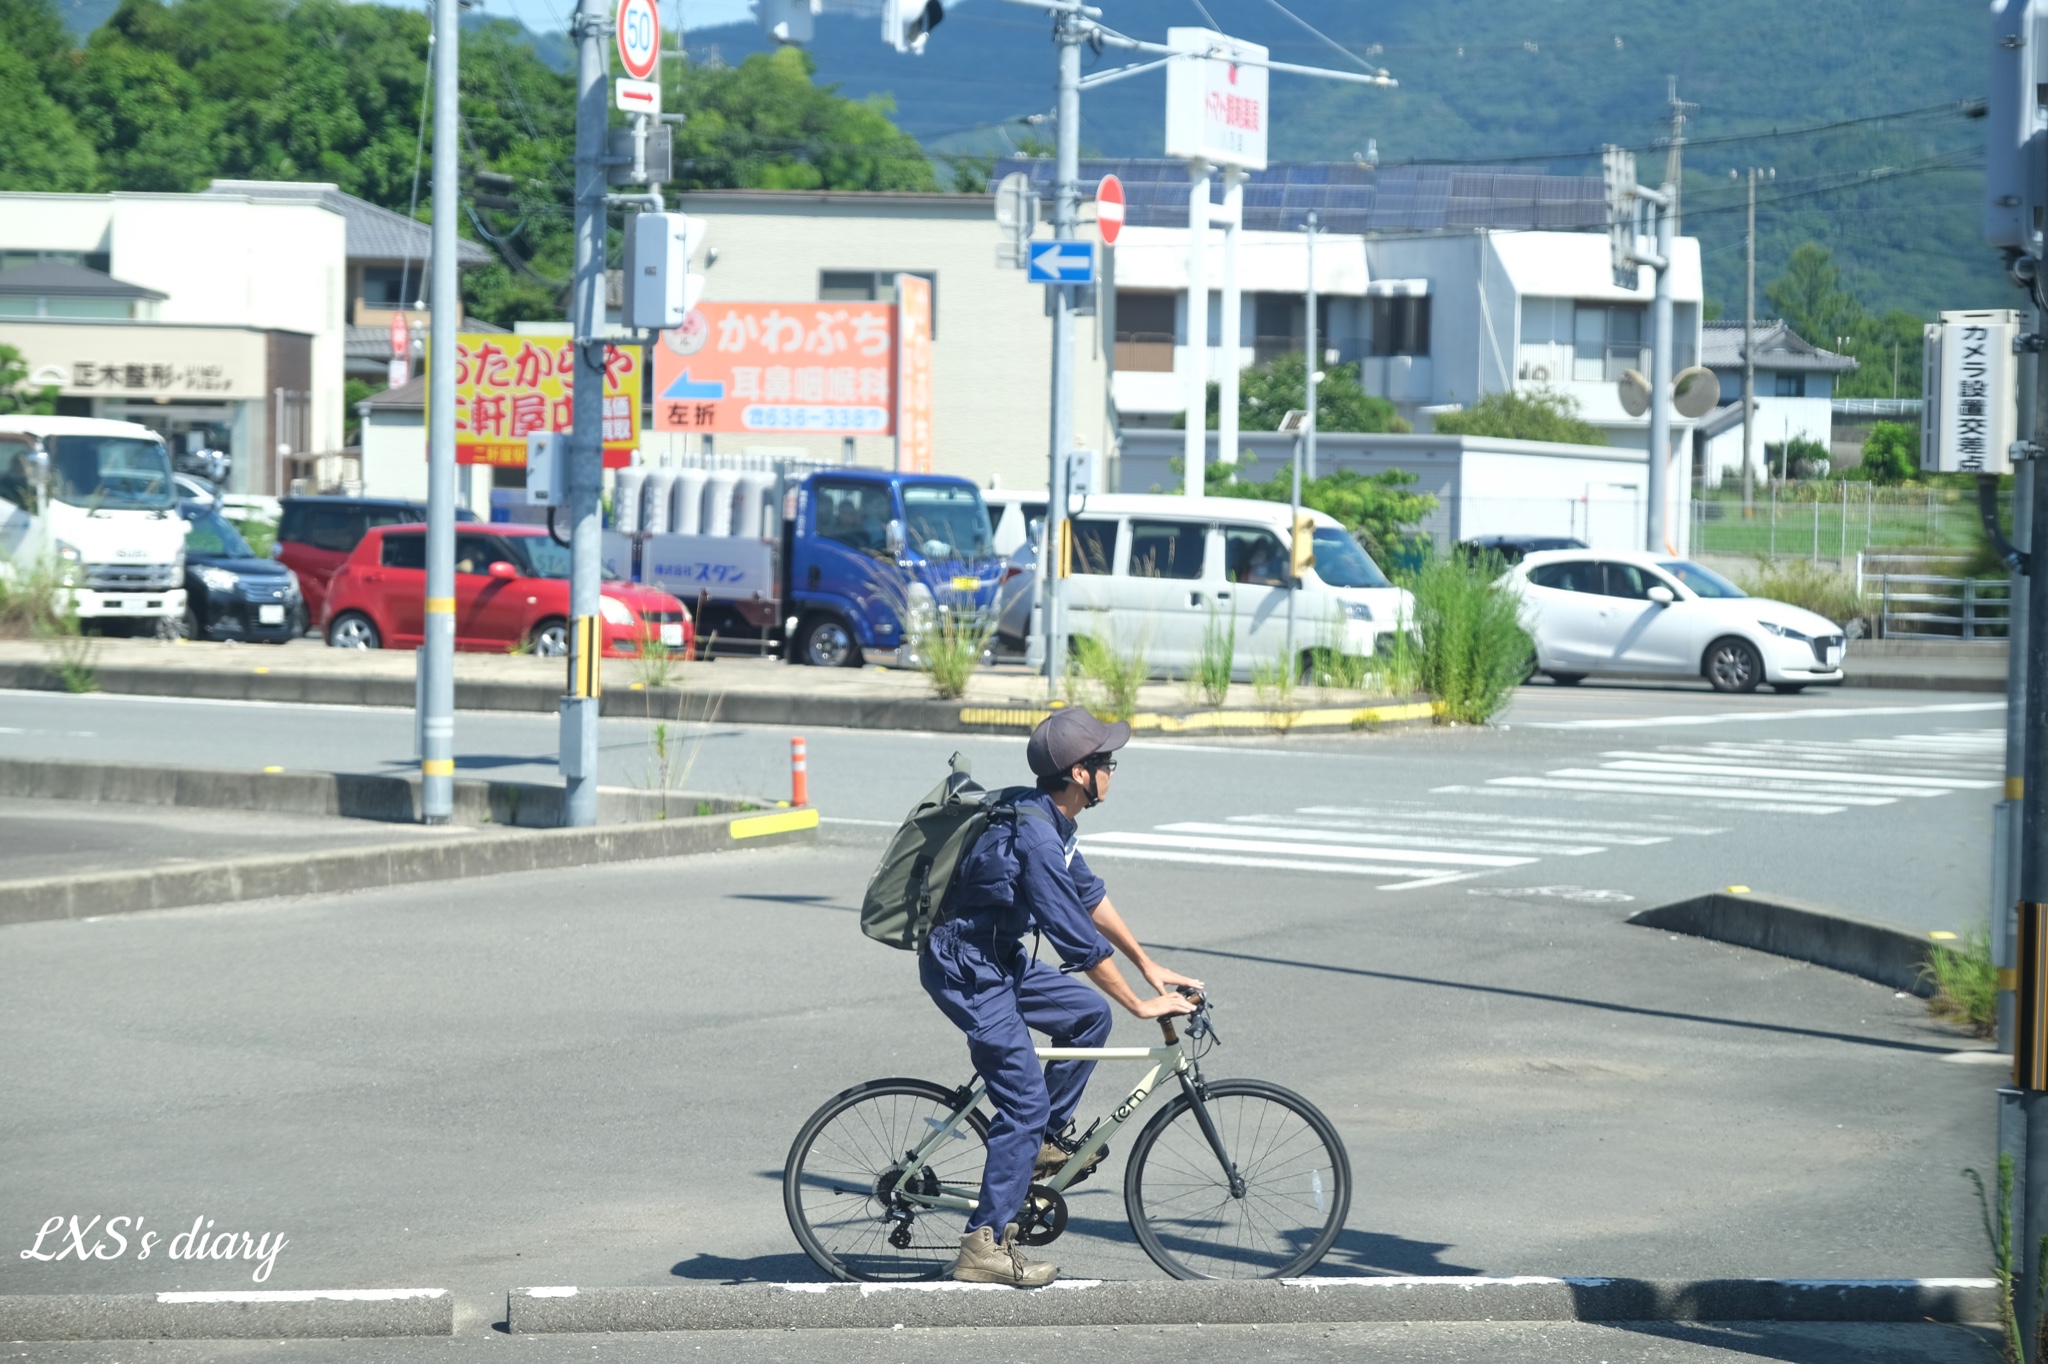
[
  {"x": 1797, "y": 582},
  {"x": 949, "y": 645},
  {"x": 1540, "y": 414},
  {"x": 1965, "y": 982},
  {"x": 1115, "y": 674},
  {"x": 1474, "y": 652},
  {"x": 1219, "y": 655},
  {"x": 1891, "y": 453}
]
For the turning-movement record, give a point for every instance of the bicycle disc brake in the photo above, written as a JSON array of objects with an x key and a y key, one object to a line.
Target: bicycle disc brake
[{"x": 1042, "y": 1218}]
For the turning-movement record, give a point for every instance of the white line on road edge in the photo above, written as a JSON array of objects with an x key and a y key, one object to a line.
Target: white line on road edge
[
  {"x": 1284, "y": 864},
  {"x": 1735, "y": 717},
  {"x": 1563, "y": 791},
  {"x": 306, "y": 1295},
  {"x": 1274, "y": 845}
]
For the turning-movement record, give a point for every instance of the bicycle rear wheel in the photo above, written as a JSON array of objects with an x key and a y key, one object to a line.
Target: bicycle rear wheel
[
  {"x": 839, "y": 1185},
  {"x": 1294, "y": 1195}
]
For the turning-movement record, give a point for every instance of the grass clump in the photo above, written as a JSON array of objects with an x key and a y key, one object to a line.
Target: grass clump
[
  {"x": 654, "y": 663},
  {"x": 1114, "y": 675},
  {"x": 38, "y": 604},
  {"x": 1798, "y": 582},
  {"x": 949, "y": 644},
  {"x": 1965, "y": 982},
  {"x": 1473, "y": 651},
  {"x": 1218, "y": 656},
  {"x": 1998, "y": 1230}
]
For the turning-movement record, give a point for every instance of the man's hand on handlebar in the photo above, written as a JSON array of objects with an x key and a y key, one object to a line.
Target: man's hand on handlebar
[
  {"x": 1163, "y": 1006},
  {"x": 1165, "y": 981}
]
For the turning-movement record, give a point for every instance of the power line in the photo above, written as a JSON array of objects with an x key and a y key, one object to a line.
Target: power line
[{"x": 1325, "y": 38}]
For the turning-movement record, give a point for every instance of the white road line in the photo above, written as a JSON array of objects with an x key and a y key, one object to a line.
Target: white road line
[
  {"x": 1517, "y": 822},
  {"x": 1544, "y": 837},
  {"x": 1792, "y": 790},
  {"x": 1745, "y": 717},
  {"x": 1386, "y": 840},
  {"x": 1882, "y": 781},
  {"x": 1647, "y": 788},
  {"x": 1430, "y": 876},
  {"x": 1601, "y": 792},
  {"x": 1274, "y": 845}
]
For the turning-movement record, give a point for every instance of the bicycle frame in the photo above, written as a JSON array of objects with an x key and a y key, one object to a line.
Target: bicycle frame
[{"x": 1170, "y": 1059}]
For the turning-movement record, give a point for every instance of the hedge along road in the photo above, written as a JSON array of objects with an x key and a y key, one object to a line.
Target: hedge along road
[
  {"x": 1874, "y": 803},
  {"x": 592, "y": 1077}
]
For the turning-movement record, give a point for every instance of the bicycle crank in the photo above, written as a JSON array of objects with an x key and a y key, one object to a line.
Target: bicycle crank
[{"x": 1043, "y": 1217}]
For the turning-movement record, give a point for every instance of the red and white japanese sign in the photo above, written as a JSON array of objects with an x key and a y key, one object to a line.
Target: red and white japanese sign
[
  {"x": 823, "y": 369},
  {"x": 1109, "y": 209},
  {"x": 914, "y": 374},
  {"x": 1216, "y": 109},
  {"x": 508, "y": 386}
]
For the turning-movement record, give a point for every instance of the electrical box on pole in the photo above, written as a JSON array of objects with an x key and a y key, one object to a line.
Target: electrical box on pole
[
  {"x": 2016, "y": 136},
  {"x": 547, "y": 465},
  {"x": 660, "y": 290}
]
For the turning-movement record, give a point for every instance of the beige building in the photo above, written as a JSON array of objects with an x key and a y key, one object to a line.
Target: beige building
[{"x": 992, "y": 348}]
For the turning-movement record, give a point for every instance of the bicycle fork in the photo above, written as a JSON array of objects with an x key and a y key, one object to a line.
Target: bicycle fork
[{"x": 1191, "y": 1085}]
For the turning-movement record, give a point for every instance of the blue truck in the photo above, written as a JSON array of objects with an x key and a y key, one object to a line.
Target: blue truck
[{"x": 829, "y": 568}]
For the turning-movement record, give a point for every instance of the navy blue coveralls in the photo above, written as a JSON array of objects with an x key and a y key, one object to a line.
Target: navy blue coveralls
[{"x": 1023, "y": 874}]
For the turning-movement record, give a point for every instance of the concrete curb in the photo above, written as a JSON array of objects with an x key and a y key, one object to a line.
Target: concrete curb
[
  {"x": 392, "y": 799},
  {"x": 330, "y": 873},
  {"x": 665, "y": 703},
  {"x": 279, "y": 1315},
  {"x": 535, "y": 1311},
  {"x": 1843, "y": 942},
  {"x": 1924, "y": 682}
]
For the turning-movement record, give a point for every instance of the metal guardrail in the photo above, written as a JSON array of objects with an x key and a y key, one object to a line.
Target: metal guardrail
[{"x": 1927, "y": 606}]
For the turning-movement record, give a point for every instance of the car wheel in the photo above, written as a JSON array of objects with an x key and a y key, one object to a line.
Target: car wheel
[
  {"x": 1567, "y": 679},
  {"x": 1733, "y": 665},
  {"x": 187, "y": 626},
  {"x": 827, "y": 642},
  {"x": 354, "y": 630},
  {"x": 550, "y": 639}
]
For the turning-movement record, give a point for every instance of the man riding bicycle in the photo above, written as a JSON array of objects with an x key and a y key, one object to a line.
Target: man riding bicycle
[{"x": 1025, "y": 874}]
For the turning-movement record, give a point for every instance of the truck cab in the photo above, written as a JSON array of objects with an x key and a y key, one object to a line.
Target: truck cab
[
  {"x": 93, "y": 502},
  {"x": 869, "y": 551}
]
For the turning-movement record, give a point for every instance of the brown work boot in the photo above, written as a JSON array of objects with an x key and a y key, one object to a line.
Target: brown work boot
[
  {"x": 984, "y": 1260},
  {"x": 1053, "y": 1156}
]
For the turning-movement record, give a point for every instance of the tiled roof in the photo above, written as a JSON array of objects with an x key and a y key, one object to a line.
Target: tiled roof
[
  {"x": 374, "y": 234},
  {"x": 374, "y": 343},
  {"x": 1778, "y": 347},
  {"x": 1349, "y": 197},
  {"x": 54, "y": 277}
]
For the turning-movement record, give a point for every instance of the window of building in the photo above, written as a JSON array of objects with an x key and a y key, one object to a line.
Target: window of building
[
  {"x": 1397, "y": 326},
  {"x": 873, "y": 286},
  {"x": 1607, "y": 339},
  {"x": 1788, "y": 385},
  {"x": 386, "y": 286}
]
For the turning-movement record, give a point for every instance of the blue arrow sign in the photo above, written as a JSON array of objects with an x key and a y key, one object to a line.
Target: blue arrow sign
[
  {"x": 1061, "y": 263},
  {"x": 686, "y": 387}
]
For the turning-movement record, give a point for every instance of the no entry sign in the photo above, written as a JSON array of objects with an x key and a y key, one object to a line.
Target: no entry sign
[
  {"x": 1109, "y": 209},
  {"x": 639, "y": 29}
]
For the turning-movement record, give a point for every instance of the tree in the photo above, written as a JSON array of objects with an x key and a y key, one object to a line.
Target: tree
[
  {"x": 13, "y": 396},
  {"x": 1266, "y": 393},
  {"x": 1810, "y": 296},
  {"x": 1891, "y": 453},
  {"x": 1539, "y": 414},
  {"x": 41, "y": 147},
  {"x": 1378, "y": 508},
  {"x": 767, "y": 124}
]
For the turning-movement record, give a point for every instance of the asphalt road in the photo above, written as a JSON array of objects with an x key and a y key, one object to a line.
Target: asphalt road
[{"x": 1875, "y": 803}]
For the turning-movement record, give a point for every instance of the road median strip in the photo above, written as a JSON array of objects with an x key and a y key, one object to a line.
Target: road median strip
[
  {"x": 1857, "y": 946},
  {"x": 281, "y": 1314}
]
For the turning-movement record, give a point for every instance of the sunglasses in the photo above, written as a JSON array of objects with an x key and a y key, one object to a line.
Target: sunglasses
[{"x": 1100, "y": 764}]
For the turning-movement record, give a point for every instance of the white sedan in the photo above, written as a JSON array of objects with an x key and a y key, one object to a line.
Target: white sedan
[{"x": 1650, "y": 615}]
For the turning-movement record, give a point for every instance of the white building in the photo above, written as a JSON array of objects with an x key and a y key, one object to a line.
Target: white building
[
  {"x": 1795, "y": 389},
  {"x": 220, "y": 319}
]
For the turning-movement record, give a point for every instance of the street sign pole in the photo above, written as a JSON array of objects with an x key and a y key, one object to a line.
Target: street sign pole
[
  {"x": 580, "y": 703},
  {"x": 1066, "y": 199},
  {"x": 436, "y": 660}
]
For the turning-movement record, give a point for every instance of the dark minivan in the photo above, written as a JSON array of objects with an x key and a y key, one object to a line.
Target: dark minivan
[{"x": 315, "y": 534}]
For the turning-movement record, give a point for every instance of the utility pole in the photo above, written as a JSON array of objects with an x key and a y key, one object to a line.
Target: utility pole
[
  {"x": 1749, "y": 360},
  {"x": 1066, "y": 201},
  {"x": 1195, "y": 446},
  {"x": 1658, "y": 533},
  {"x": 1674, "y": 158},
  {"x": 436, "y": 658},
  {"x": 1315, "y": 360},
  {"x": 580, "y": 703}
]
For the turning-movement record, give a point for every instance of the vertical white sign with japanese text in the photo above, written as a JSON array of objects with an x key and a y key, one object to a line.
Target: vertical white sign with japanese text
[
  {"x": 1972, "y": 393},
  {"x": 1216, "y": 108}
]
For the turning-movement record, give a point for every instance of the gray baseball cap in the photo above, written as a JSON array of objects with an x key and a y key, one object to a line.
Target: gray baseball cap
[{"x": 1066, "y": 736}]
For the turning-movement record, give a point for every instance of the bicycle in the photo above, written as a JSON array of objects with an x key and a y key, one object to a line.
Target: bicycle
[{"x": 1231, "y": 1179}]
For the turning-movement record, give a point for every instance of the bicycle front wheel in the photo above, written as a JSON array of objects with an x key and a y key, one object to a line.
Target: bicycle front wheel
[
  {"x": 842, "y": 1185},
  {"x": 1293, "y": 1194}
]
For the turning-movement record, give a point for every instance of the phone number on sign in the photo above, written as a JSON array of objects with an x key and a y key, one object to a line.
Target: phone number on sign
[{"x": 767, "y": 417}]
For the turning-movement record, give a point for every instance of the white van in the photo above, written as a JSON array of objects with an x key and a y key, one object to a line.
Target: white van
[
  {"x": 1158, "y": 569},
  {"x": 95, "y": 500}
]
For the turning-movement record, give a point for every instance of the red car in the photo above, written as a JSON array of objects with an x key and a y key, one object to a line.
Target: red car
[{"x": 511, "y": 589}]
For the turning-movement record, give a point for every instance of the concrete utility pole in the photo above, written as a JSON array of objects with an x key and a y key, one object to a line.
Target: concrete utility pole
[
  {"x": 436, "y": 659},
  {"x": 1674, "y": 159},
  {"x": 1749, "y": 360},
  {"x": 1231, "y": 329},
  {"x": 1195, "y": 448},
  {"x": 1315, "y": 363},
  {"x": 1658, "y": 536},
  {"x": 579, "y": 706},
  {"x": 1066, "y": 202}
]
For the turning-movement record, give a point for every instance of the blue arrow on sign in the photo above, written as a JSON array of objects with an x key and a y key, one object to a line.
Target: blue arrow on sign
[
  {"x": 686, "y": 387},
  {"x": 1061, "y": 263}
]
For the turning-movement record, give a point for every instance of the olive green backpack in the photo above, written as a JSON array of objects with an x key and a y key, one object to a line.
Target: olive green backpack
[{"x": 910, "y": 884}]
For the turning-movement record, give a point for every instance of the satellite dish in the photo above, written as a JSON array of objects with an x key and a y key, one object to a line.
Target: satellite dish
[
  {"x": 1695, "y": 392},
  {"x": 1635, "y": 392}
]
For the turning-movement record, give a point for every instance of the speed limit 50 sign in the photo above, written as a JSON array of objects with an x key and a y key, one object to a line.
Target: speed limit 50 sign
[{"x": 639, "y": 30}]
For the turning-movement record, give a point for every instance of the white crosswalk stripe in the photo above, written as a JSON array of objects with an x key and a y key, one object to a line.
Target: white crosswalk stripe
[
  {"x": 1408, "y": 846},
  {"x": 1779, "y": 777}
]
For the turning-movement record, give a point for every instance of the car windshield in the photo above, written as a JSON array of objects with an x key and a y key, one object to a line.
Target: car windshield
[
  {"x": 208, "y": 532},
  {"x": 121, "y": 472},
  {"x": 1342, "y": 562},
  {"x": 1703, "y": 581},
  {"x": 541, "y": 557},
  {"x": 945, "y": 521}
]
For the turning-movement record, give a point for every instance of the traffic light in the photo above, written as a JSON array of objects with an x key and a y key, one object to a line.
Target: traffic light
[
  {"x": 660, "y": 290},
  {"x": 907, "y": 23},
  {"x": 1618, "y": 174},
  {"x": 2016, "y": 128},
  {"x": 1302, "y": 557}
]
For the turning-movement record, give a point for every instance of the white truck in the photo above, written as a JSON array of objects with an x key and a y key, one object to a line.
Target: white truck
[{"x": 94, "y": 501}]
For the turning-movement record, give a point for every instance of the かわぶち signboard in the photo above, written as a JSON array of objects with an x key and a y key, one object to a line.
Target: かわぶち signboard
[{"x": 825, "y": 369}]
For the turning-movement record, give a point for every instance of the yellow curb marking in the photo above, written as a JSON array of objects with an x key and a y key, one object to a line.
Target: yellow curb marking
[{"x": 754, "y": 826}]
